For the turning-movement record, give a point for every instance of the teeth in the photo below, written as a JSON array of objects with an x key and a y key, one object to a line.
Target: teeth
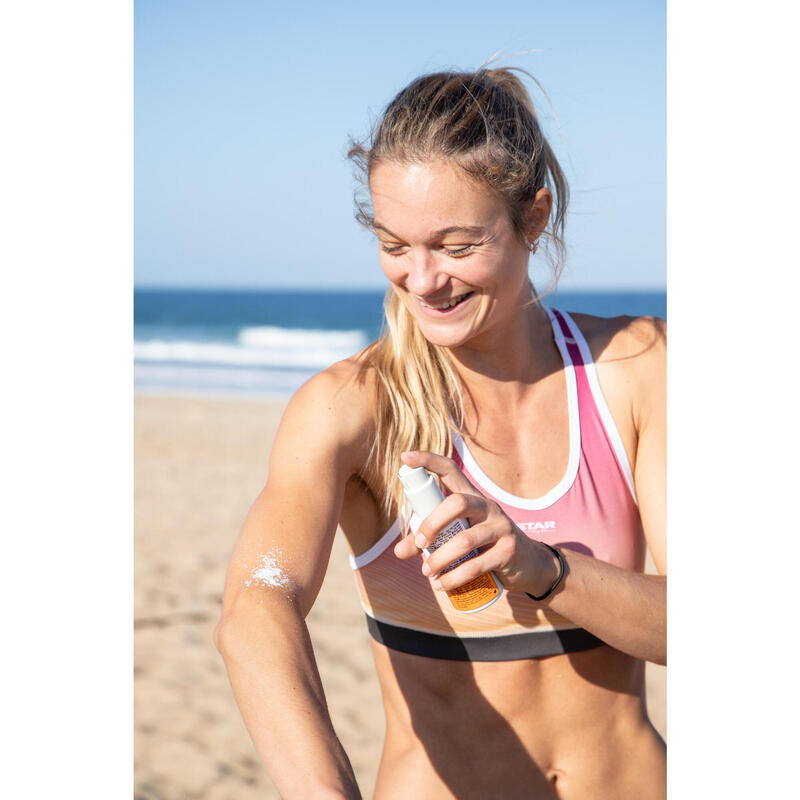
[{"x": 448, "y": 304}]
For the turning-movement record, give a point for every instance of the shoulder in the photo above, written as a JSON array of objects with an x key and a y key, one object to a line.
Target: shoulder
[
  {"x": 614, "y": 338},
  {"x": 333, "y": 410},
  {"x": 638, "y": 344},
  {"x": 631, "y": 358}
]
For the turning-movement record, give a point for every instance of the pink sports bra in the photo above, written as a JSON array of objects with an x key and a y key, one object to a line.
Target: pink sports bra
[{"x": 592, "y": 510}]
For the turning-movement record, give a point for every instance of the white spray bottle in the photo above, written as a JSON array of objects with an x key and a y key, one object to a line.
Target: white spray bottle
[{"x": 424, "y": 496}]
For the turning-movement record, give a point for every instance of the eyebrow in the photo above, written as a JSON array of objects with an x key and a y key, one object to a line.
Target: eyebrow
[{"x": 470, "y": 230}]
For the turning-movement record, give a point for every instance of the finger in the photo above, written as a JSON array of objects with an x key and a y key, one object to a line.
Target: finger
[
  {"x": 466, "y": 572},
  {"x": 453, "y": 507},
  {"x": 475, "y": 538},
  {"x": 447, "y": 470},
  {"x": 406, "y": 548}
]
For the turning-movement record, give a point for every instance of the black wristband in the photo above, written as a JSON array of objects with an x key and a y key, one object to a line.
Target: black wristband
[{"x": 561, "y": 568}]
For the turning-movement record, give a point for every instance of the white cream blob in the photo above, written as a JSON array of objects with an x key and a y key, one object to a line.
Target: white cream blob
[{"x": 269, "y": 572}]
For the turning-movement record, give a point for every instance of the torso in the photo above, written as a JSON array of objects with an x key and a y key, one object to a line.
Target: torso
[{"x": 566, "y": 726}]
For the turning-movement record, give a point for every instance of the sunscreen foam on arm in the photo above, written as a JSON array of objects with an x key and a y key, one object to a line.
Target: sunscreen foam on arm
[{"x": 424, "y": 496}]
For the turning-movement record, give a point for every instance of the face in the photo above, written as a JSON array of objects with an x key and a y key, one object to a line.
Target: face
[{"x": 449, "y": 249}]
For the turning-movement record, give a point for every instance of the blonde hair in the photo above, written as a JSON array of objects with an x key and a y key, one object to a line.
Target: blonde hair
[{"x": 485, "y": 122}]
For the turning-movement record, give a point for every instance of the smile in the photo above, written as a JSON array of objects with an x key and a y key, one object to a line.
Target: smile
[{"x": 447, "y": 304}]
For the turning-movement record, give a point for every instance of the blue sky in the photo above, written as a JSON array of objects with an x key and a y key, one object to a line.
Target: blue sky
[{"x": 243, "y": 110}]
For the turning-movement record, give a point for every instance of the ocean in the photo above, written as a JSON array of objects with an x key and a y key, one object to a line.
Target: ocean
[{"x": 268, "y": 342}]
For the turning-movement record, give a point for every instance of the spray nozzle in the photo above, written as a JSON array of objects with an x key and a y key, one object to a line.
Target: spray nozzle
[{"x": 413, "y": 478}]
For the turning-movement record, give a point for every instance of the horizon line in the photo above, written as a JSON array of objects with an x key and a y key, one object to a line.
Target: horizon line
[{"x": 344, "y": 289}]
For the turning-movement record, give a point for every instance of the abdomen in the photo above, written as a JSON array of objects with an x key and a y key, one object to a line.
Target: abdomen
[{"x": 522, "y": 729}]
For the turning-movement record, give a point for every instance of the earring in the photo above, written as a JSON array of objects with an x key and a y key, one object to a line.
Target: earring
[{"x": 533, "y": 245}]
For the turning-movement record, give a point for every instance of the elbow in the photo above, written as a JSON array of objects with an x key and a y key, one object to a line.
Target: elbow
[
  {"x": 658, "y": 654},
  {"x": 264, "y": 614},
  {"x": 230, "y": 640},
  {"x": 662, "y": 654},
  {"x": 221, "y": 636},
  {"x": 233, "y": 618},
  {"x": 227, "y": 639},
  {"x": 217, "y": 636},
  {"x": 234, "y": 629},
  {"x": 659, "y": 658}
]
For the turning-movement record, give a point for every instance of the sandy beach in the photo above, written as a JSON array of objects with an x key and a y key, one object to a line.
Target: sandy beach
[{"x": 199, "y": 463}]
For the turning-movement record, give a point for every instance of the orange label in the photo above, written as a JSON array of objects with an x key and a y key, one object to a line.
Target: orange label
[{"x": 474, "y": 594}]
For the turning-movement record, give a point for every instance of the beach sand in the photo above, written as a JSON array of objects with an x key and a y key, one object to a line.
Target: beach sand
[{"x": 199, "y": 464}]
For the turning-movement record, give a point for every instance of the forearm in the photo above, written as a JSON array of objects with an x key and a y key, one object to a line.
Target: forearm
[
  {"x": 271, "y": 667},
  {"x": 626, "y": 609}
]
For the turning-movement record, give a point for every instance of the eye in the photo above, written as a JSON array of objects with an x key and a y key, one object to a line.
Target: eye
[
  {"x": 459, "y": 251},
  {"x": 392, "y": 249}
]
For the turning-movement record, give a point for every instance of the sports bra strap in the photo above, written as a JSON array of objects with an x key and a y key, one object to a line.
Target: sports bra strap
[{"x": 565, "y": 331}]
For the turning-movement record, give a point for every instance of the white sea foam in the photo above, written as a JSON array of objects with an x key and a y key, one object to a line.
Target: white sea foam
[
  {"x": 188, "y": 377},
  {"x": 257, "y": 347},
  {"x": 263, "y": 359},
  {"x": 268, "y": 336}
]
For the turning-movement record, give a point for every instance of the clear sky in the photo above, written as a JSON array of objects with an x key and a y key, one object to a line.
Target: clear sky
[{"x": 243, "y": 110}]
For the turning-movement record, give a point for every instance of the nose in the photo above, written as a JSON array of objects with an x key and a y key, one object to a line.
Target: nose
[{"x": 424, "y": 277}]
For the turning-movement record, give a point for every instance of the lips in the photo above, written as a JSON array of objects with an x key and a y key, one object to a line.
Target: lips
[{"x": 447, "y": 304}]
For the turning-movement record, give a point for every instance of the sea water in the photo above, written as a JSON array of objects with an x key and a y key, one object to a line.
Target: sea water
[{"x": 268, "y": 342}]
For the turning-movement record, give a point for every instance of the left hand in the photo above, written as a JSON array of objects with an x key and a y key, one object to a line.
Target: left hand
[{"x": 519, "y": 563}]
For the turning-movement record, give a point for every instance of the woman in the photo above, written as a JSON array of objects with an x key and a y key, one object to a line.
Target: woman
[{"x": 548, "y": 432}]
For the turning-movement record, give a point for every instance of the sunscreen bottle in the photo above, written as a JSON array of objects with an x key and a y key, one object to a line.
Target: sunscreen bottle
[{"x": 423, "y": 494}]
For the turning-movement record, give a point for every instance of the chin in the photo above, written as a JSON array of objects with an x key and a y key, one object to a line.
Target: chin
[{"x": 444, "y": 335}]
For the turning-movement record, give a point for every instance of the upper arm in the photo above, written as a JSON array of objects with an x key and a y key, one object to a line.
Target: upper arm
[
  {"x": 289, "y": 530},
  {"x": 650, "y": 415},
  {"x": 630, "y": 355}
]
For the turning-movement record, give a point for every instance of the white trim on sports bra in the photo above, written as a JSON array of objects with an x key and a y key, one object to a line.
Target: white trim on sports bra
[
  {"x": 356, "y": 562},
  {"x": 600, "y": 402},
  {"x": 563, "y": 486}
]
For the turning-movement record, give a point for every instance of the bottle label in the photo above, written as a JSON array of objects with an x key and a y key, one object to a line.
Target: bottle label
[
  {"x": 445, "y": 536},
  {"x": 479, "y": 591},
  {"x": 473, "y": 595}
]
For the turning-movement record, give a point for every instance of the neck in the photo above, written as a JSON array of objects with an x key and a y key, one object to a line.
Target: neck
[
  {"x": 508, "y": 360},
  {"x": 503, "y": 372}
]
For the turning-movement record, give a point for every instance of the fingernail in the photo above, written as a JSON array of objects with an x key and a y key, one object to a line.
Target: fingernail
[
  {"x": 420, "y": 540},
  {"x": 408, "y": 453},
  {"x": 437, "y": 585},
  {"x": 426, "y": 570}
]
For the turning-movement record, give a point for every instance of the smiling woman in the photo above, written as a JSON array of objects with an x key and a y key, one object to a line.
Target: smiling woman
[
  {"x": 547, "y": 432},
  {"x": 475, "y": 272}
]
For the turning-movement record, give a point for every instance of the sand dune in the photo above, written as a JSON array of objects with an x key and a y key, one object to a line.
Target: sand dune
[{"x": 199, "y": 463}]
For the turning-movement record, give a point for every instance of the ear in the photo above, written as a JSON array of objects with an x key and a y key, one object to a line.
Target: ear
[{"x": 538, "y": 214}]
